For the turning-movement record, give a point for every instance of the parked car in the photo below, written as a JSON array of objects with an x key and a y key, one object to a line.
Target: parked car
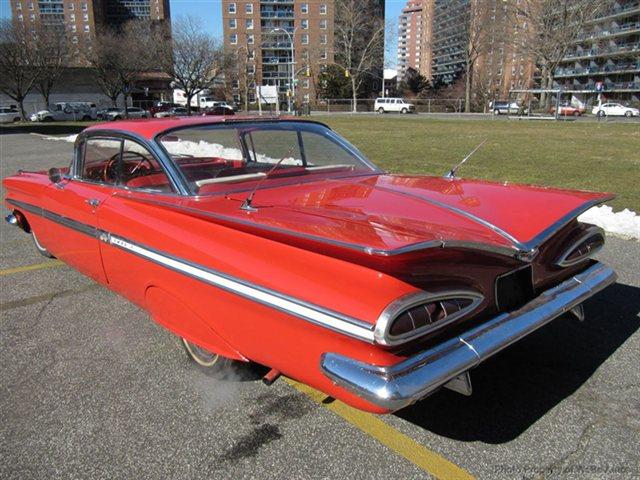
[
  {"x": 132, "y": 112},
  {"x": 66, "y": 111},
  {"x": 567, "y": 110},
  {"x": 9, "y": 115},
  {"x": 504, "y": 108},
  {"x": 385, "y": 105},
  {"x": 615, "y": 110},
  {"x": 173, "y": 112},
  {"x": 161, "y": 107},
  {"x": 103, "y": 113},
  {"x": 277, "y": 242},
  {"x": 219, "y": 110}
]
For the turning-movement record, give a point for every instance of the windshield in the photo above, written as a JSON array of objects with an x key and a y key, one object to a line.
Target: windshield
[{"x": 230, "y": 156}]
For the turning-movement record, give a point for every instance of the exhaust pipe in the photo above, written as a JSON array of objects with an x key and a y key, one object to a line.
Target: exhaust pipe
[
  {"x": 271, "y": 377},
  {"x": 12, "y": 220}
]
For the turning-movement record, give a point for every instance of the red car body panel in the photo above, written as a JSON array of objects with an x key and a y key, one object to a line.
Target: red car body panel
[{"x": 346, "y": 245}]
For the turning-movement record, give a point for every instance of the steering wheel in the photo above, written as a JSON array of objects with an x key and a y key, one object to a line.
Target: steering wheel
[{"x": 132, "y": 166}]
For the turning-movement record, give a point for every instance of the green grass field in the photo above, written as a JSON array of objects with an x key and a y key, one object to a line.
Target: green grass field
[{"x": 582, "y": 155}]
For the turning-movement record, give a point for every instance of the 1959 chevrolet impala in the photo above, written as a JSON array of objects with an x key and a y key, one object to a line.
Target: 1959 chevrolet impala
[{"x": 277, "y": 242}]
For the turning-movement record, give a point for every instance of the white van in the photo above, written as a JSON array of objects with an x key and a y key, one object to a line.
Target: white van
[{"x": 384, "y": 105}]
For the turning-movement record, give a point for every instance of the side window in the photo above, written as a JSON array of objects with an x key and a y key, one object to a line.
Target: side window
[
  {"x": 138, "y": 168},
  {"x": 100, "y": 160},
  {"x": 320, "y": 152}
]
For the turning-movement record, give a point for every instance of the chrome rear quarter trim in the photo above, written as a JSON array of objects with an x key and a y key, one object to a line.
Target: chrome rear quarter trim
[{"x": 394, "y": 387}]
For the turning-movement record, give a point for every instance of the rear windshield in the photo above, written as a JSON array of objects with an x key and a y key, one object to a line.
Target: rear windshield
[{"x": 234, "y": 156}]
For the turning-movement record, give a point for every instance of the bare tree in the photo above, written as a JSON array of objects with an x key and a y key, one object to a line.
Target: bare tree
[
  {"x": 18, "y": 63},
  {"x": 53, "y": 55},
  {"x": 194, "y": 59},
  {"x": 119, "y": 56},
  {"x": 551, "y": 28},
  {"x": 359, "y": 41}
]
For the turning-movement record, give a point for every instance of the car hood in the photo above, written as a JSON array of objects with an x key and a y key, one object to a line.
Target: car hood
[{"x": 389, "y": 214}]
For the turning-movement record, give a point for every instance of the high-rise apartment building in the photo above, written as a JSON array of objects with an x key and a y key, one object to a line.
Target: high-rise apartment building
[
  {"x": 79, "y": 18},
  {"x": 606, "y": 56},
  {"x": 411, "y": 40},
  {"x": 276, "y": 40}
]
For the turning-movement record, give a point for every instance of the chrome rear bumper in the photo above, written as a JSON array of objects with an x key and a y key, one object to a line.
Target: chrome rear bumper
[{"x": 404, "y": 383}]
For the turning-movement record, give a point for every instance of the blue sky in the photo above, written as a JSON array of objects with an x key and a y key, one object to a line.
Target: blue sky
[{"x": 210, "y": 12}]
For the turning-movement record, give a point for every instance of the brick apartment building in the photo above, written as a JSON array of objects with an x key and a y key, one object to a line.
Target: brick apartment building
[
  {"x": 260, "y": 33},
  {"x": 413, "y": 52}
]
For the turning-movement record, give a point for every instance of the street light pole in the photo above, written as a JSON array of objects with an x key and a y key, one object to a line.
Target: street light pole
[{"x": 293, "y": 64}]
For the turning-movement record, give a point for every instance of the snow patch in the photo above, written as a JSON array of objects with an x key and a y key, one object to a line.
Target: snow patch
[
  {"x": 70, "y": 138},
  {"x": 625, "y": 223}
]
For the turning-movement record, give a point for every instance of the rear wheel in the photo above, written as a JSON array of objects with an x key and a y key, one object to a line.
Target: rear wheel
[
  {"x": 628, "y": 114},
  {"x": 600, "y": 113},
  {"x": 404, "y": 110},
  {"x": 41, "y": 250},
  {"x": 381, "y": 110},
  {"x": 496, "y": 112},
  {"x": 576, "y": 113},
  {"x": 48, "y": 119},
  {"x": 208, "y": 362}
]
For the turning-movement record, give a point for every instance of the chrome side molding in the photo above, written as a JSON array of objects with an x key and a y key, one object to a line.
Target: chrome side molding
[{"x": 397, "y": 386}]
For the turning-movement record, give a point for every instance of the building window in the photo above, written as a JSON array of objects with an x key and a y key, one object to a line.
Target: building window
[
  {"x": 73, "y": 27},
  {"x": 233, "y": 39},
  {"x": 323, "y": 55},
  {"x": 232, "y": 8},
  {"x": 18, "y": 6},
  {"x": 305, "y": 39},
  {"x": 86, "y": 29},
  {"x": 30, "y": 5},
  {"x": 232, "y": 23},
  {"x": 305, "y": 83},
  {"x": 305, "y": 54},
  {"x": 323, "y": 39},
  {"x": 248, "y": 8},
  {"x": 32, "y": 17},
  {"x": 72, "y": 17},
  {"x": 235, "y": 83},
  {"x": 251, "y": 69},
  {"x": 74, "y": 39},
  {"x": 71, "y": 6},
  {"x": 323, "y": 9},
  {"x": 20, "y": 17},
  {"x": 306, "y": 98},
  {"x": 305, "y": 24},
  {"x": 85, "y": 17},
  {"x": 250, "y": 39},
  {"x": 84, "y": 6},
  {"x": 323, "y": 24},
  {"x": 251, "y": 54},
  {"x": 249, "y": 24},
  {"x": 304, "y": 8}
]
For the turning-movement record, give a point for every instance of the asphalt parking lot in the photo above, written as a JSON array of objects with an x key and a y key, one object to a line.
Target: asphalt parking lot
[{"x": 91, "y": 388}]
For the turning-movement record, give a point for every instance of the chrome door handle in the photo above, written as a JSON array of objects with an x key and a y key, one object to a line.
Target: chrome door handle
[{"x": 94, "y": 202}]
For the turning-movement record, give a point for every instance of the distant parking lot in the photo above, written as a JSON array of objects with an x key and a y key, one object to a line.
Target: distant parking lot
[{"x": 94, "y": 389}]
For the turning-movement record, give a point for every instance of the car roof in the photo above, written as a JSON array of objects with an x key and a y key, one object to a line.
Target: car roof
[{"x": 151, "y": 127}]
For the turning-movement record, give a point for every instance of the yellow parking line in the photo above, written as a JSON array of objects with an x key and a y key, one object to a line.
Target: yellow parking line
[
  {"x": 28, "y": 268},
  {"x": 422, "y": 457}
]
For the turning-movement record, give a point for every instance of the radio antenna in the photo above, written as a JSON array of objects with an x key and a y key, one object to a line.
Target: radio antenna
[{"x": 452, "y": 172}]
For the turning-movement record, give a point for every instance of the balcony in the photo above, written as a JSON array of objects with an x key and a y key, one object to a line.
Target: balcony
[
  {"x": 619, "y": 11},
  {"x": 277, "y": 14},
  {"x": 626, "y": 29},
  {"x": 276, "y": 60},
  {"x": 279, "y": 2},
  {"x": 604, "y": 51},
  {"x": 269, "y": 29},
  {"x": 276, "y": 45},
  {"x": 606, "y": 70}
]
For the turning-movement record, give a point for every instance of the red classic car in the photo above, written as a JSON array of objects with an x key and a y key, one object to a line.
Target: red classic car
[{"x": 277, "y": 242}]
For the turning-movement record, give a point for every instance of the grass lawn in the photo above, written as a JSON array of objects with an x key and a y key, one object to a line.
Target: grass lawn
[{"x": 582, "y": 155}]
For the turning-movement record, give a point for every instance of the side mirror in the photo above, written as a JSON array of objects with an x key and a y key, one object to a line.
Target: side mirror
[{"x": 55, "y": 175}]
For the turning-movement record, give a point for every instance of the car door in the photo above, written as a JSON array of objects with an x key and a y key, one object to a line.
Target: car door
[{"x": 73, "y": 205}]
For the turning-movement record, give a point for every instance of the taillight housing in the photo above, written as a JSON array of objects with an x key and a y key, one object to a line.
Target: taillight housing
[
  {"x": 586, "y": 245},
  {"x": 417, "y": 314}
]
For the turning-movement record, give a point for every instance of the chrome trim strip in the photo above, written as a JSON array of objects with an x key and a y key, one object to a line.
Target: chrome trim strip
[
  {"x": 406, "y": 302},
  {"x": 396, "y": 386},
  {"x": 590, "y": 232},
  {"x": 271, "y": 298},
  {"x": 310, "y": 312}
]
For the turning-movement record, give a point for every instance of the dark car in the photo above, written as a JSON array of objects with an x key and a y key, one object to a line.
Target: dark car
[
  {"x": 158, "y": 107},
  {"x": 218, "y": 110}
]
